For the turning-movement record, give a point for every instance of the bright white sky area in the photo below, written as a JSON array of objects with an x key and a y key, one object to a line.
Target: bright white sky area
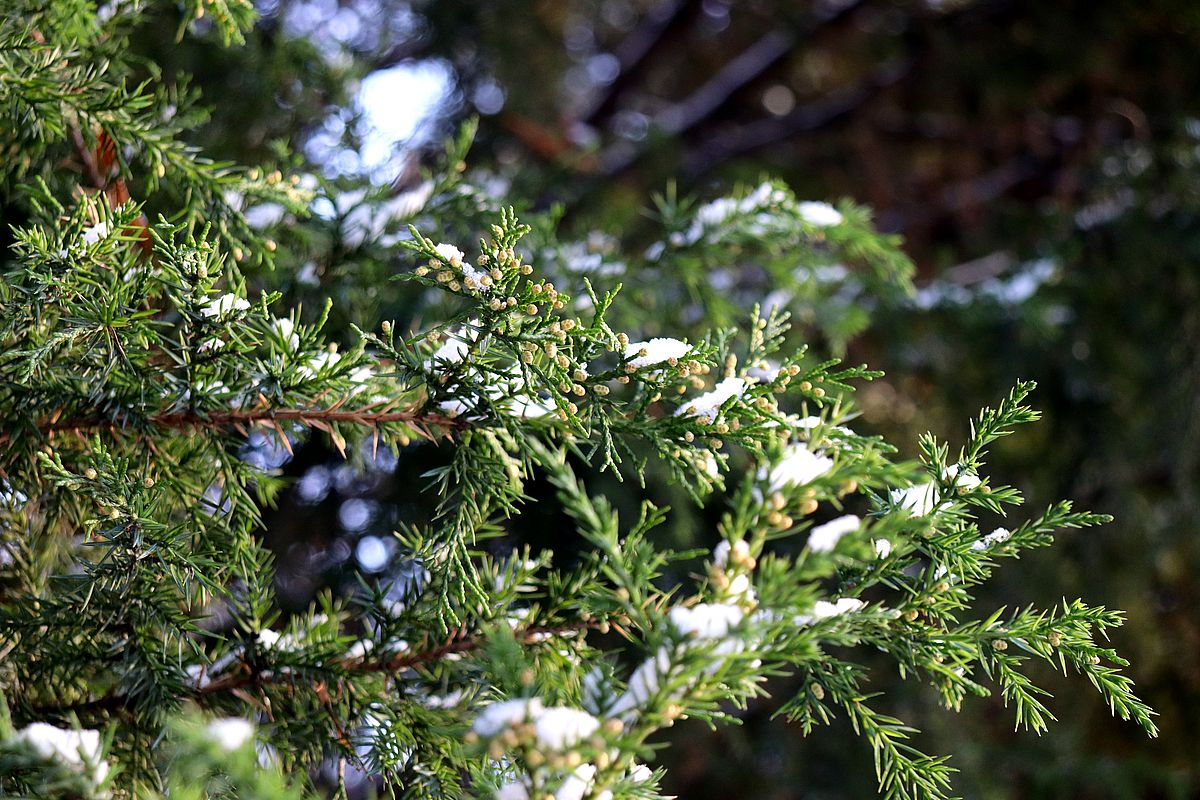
[{"x": 394, "y": 103}]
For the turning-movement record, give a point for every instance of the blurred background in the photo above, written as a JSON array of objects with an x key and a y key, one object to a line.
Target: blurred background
[{"x": 1042, "y": 163}]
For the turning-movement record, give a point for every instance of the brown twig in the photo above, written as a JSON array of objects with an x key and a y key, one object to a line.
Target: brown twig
[
  {"x": 458, "y": 643},
  {"x": 314, "y": 417},
  {"x": 239, "y": 682},
  {"x": 87, "y": 160}
]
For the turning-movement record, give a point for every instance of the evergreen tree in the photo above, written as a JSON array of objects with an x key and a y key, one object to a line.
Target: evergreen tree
[{"x": 155, "y": 380}]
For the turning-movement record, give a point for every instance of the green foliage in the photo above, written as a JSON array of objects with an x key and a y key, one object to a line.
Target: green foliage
[{"x": 143, "y": 372}]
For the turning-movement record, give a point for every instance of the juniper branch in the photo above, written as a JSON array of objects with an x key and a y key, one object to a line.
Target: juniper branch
[
  {"x": 312, "y": 417},
  {"x": 457, "y": 644}
]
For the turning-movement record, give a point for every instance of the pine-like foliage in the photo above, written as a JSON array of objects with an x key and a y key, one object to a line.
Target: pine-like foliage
[{"x": 145, "y": 366}]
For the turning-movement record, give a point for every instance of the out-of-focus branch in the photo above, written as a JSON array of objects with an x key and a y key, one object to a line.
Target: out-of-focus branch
[
  {"x": 704, "y": 103},
  {"x": 958, "y": 197},
  {"x": 635, "y": 51},
  {"x": 747, "y": 67},
  {"x": 807, "y": 118}
]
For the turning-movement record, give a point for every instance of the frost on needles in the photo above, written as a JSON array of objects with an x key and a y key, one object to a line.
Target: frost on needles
[{"x": 142, "y": 647}]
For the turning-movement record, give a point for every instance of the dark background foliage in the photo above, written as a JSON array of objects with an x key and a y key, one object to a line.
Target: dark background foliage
[{"x": 1040, "y": 161}]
